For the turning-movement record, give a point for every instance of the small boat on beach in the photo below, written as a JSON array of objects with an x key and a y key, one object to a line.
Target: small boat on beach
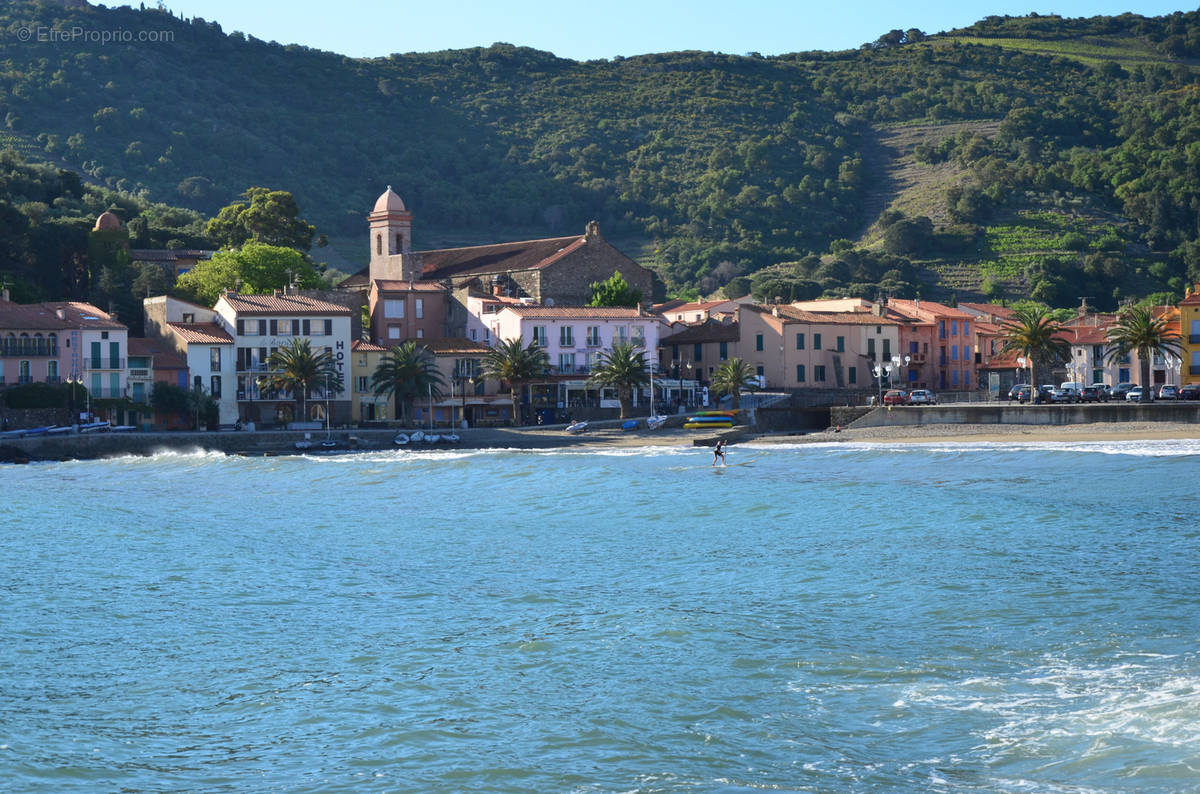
[
  {"x": 575, "y": 428},
  {"x": 400, "y": 439},
  {"x": 655, "y": 422}
]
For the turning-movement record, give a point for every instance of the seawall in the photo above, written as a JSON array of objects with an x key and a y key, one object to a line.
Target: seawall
[{"x": 1016, "y": 414}]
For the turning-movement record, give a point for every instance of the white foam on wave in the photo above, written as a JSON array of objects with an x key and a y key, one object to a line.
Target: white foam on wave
[{"x": 1107, "y": 713}]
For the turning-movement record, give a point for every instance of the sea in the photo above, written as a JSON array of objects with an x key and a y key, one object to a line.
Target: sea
[{"x": 842, "y": 617}]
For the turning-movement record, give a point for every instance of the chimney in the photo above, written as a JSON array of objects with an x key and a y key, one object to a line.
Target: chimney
[
  {"x": 775, "y": 310},
  {"x": 61, "y": 312}
]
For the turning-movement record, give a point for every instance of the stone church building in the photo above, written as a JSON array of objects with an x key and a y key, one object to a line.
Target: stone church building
[{"x": 423, "y": 294}]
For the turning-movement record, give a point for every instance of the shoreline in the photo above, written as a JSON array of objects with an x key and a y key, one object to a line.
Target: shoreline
[{"x": 270, "y": 443}]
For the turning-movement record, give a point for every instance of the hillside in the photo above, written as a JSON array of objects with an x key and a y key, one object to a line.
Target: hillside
[{"x": 711, "y": 167}]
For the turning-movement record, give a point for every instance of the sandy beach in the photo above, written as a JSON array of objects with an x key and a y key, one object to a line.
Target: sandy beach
[{"x": 943, "y": 433}]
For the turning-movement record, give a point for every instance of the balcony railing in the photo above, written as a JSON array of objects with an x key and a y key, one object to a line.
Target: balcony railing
[
  {"x": 27, "y": 348},
  {"x": 576, "y": 370},
  {"x": 104, "y": 362}
]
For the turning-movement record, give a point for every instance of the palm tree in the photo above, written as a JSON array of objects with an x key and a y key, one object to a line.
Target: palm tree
[
  {"x": 1137, "y": 328},
  {"x": 509, "y": 361},
  {"x": 624, "y": 368},
  {"x": 1037, "y": 336},
  {"x": 406, "y": 372},
  {"x": 732, "y": 377},
  {"x": 297, "y": 368}
]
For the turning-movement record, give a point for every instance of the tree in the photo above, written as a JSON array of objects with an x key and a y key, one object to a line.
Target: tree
[
  {"x": 1036, "y": 335},
  {"x": 614, "y": 291},
  {"x": 406, "y": 372},
  {"x": 297, "y": 368},
  {"x": 732, "y": 377},
  {"x": 254, "y": 269},
  {"x": 509, "y": 361},
  {"x": 1137, "y": 328},
  {"x": 623, "y": 368},
  {"x": 266, "y": 216}
]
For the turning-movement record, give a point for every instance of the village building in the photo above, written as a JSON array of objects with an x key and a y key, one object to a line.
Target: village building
[
  {"x": 152, "y": 361},
  {"x": 553, "y": 271}
]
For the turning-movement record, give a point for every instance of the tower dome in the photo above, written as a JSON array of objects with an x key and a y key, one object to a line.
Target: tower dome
[
  {"x": 390, "y": 201},
  {"x": 107, "y": 222}
]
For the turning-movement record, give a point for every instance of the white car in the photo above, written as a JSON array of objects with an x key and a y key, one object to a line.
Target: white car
[{"x": 922, "y": 397}]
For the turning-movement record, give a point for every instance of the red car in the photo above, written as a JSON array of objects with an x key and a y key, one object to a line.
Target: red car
[{"x": 895, "y": 397}]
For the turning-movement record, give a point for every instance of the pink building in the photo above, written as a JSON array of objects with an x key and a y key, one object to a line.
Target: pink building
[
  {"x": 940, "y": 343},
  {"x": 62, "y": 341}
]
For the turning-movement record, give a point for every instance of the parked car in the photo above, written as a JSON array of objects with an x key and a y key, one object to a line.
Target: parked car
[
  {"x": 895, "y": 397},
  {"x": 1089, "y": 394},
  {"x": 1046, "y": 393},
  {"x": 1020, "y": 393},
  {"x": 1061, "y": 395},
  {"x": 922, "y": 397},
  {"x": 1120, "y": 391},
  {"x": 1103, "y": 392},
  {"x": 1190, "y": 391},
  {"x": 1167, "y": 392},
  {"x": 1135, "y": 394}
]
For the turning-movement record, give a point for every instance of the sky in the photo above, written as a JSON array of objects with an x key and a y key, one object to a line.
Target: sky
[{"x": 376, "y": 28}]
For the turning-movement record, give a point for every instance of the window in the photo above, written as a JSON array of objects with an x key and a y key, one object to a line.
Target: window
[
  {"x": 1123, "y": 375},
  {"x": 216, "y": 387},
  {"x": 966, "y": 380},
  {"x": 275, "y": 328},
  {"x": 758, "y": 370},
  {"x": 852, "y": 372},
  {"x": 954, "y": 378},
  {"x": 393, "y": 332},
  {"x": 379, "y": 245},
  {"x": 966, "y": 327},
  {"x": 214, "y": 359},
  {"x": 306, "y": 327},
  {"x": 620, "y": 335},
  {"x": 295, "y": 328},
  {"x": 52, "y": 371},
  {"x": 189, "y": 317},
  {"x": 758, "y": 341},
  {"x": 841, "y": 344},
  {"x": 941, "y": 329},
  {"x": 724, "y": 351},
  {"x": 887, "y": 349},
  {"x": 362, "y": 383},
  {"x": 399, "y": 242},
  {"x": 393, "y": 308},
  {"x": 698, "y": 352},
  {"x": 539, "y": 335},
  {"x": 420, "y": 333},
  {"x": 953, "y": 353},
  {"x": 241, "y": 327},
  {"x": 638, "y": 336},
  {"x": 816, "y": 341},
  {"x": 799, "y": 373},
  {"x": 799, "y": 341},
  {"x": 566, "y": 362},
  {"x": 593, "y": 336},
  {"x": 474, "y": 335},
  {"x": 1097, "y": 354},
  {"x": 420, "y": 307},
  {"x": 24, "y": 373},
  {"x": 819, "y": 373},
  {"x": 954, "y": 328},
  {"x": 566, "y": 336}
]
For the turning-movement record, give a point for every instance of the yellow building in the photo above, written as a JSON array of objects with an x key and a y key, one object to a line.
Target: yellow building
[
  {"x": 1189, "y": 336},
  {"x": 365, "y": 406}
]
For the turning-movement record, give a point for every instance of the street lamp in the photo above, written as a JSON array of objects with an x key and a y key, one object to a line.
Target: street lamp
[{"x": 878, "y": 371}]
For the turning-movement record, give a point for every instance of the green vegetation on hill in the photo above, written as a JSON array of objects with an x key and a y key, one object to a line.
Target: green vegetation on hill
[{"x": 726, "y": 166}]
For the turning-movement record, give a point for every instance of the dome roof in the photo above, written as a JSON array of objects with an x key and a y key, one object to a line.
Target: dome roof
[
  {"x": 107, "y": 222},
  {"x": 390, "y": 201}
]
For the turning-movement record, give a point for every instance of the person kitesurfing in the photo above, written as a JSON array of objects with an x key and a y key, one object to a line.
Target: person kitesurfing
[{"x": 719, "y": 452}]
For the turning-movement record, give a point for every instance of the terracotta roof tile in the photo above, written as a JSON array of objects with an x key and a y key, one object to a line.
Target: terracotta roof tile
[
  {"x": 281, "y": 305},
  {"x": 366, "y": 347},
  {"x": 520, "y": 255},
  {"x": 709, "y": 331},
  {"x": 577, "y": 312},
  {"x": 202, "y": 333},
  {"x": 44, "y": 316}
]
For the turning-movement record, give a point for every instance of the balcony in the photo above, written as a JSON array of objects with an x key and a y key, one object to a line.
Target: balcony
[
  {"x": 103, "y": 363},
  {"x": 28, "y": 348}
]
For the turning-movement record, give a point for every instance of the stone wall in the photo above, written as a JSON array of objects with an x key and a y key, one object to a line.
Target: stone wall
[{"x": 1005, "y": 413}]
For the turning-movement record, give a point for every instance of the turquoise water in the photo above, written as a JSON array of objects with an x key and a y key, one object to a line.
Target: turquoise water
[{"x": 828, "y": 618}]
